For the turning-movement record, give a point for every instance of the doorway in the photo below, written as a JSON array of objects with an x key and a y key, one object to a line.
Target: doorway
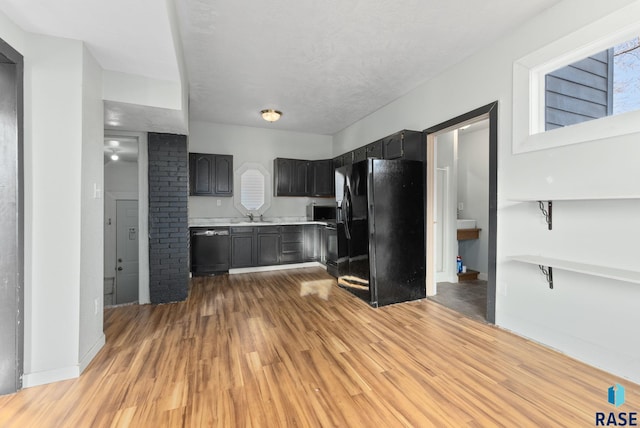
[
  {"x": 122, "y": 222},
  {"x": 462, "y": 212},
  {"x": 12, "y": 225}
]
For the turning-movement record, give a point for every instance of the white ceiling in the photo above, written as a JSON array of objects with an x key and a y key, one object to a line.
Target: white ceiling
[{"x": 325, "y": 64}]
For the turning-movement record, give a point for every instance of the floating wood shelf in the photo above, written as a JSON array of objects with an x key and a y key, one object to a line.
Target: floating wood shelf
[
  {"x": 465, "y": 234},
  {"x": 469, "y": 275}
]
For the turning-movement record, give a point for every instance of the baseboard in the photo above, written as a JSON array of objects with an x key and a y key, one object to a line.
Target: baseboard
[
  {"x": 93, "y": 351},
  {"x": 64, "y": 373},
  {"x": 275, "y": 267},
  {"x": 483, "y": 276},
  {"x": 50, "y": 376}
]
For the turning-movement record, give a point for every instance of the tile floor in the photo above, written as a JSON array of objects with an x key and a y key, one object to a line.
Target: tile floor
[{"x": 469, "y": 298}]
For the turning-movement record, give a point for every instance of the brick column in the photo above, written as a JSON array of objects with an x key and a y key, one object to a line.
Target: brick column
[{"x": 168, "y": 223}]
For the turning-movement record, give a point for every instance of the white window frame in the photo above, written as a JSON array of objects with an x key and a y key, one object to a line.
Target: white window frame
[
  {"x": 528, "y": 85},
  {"x": 237, "y": 200}
]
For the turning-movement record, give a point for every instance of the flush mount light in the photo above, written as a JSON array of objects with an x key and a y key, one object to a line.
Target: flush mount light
[
  {"x": 114, "y": 156},
  {"x": 271, "y": 115},
  {"x": 114, "y": 143}
]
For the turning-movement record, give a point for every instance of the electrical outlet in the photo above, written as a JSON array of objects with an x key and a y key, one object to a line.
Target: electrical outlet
[
  {"x": 218, "y": 202},
  {"x": 460, "y": 206}
]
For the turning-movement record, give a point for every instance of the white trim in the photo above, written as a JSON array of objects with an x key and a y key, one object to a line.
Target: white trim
[
  {"x": 275, "y": 267},
  {"x": 528, "y": 90},
  {"x": 92, "y": 352},
  {"x": 50, "y": 376}
]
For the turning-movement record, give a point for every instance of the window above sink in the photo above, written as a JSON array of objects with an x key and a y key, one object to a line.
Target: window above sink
[{"x": 254, "y": 187}]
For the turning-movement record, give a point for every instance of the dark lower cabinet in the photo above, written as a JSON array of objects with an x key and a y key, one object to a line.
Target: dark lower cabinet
[
  {"x": 268, "y": 246},
  {"x": 275, "y": 245},
  {"x": 242, "y": 254},
  {"x": 292, "y": 244}
]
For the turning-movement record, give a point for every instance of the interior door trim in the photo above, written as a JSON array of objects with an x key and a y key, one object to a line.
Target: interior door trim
[{"x": 489, "y": 111}]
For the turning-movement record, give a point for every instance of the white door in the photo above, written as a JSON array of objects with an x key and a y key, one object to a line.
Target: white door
[{"x": 126, "y": 251}]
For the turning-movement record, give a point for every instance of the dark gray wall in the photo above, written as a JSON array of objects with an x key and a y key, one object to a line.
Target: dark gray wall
[
  {"x": 580, "y": 91},
  {"x": 168, "y": 223},
  {"x": 12, "y": 225}
]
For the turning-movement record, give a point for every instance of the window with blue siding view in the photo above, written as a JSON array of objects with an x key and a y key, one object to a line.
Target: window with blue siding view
[{"x": 603, "y": 84}]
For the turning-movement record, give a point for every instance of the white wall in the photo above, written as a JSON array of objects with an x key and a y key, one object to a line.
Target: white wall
[
  {"x": 63, "y": 238},
  {"x": 53, "y": 155},
  {"x": 590, "y": 318},
  {"x": 248, "y": 144},
  {"x": 473, "y": 192},
  {"x": 91, "y": 337}
]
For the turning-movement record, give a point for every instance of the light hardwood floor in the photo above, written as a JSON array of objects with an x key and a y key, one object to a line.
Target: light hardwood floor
[{"x": 248, "y": 350}]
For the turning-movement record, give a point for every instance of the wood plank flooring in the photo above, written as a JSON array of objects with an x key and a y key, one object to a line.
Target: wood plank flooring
[{"x": 249, "y": 351}]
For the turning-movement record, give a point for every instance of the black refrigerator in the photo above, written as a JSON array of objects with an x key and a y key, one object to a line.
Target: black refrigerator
[{"x": 381, "y": 236}]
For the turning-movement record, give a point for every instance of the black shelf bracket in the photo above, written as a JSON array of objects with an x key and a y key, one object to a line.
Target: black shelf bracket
[
  {"x": 546, "y": 212},
  {"x": 548, "y": 273}
]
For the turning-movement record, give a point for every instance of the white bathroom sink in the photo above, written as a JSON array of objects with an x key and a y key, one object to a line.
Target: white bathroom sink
[{"x": 465, "y": 223}]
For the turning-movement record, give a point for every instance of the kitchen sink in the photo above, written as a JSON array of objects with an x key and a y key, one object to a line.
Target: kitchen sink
[{"x": 465, "y": 223}]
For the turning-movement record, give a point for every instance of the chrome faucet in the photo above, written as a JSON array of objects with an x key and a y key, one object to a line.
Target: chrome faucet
[{"x": 250, "y": 215}]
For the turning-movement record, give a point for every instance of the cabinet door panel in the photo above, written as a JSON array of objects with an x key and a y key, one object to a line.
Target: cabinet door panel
[
  {"x": 392, "y": 146},
  {"x": 223, "y": 175},
  {"x": 242, "y": 250},
  {"x": 283, "y": 175},
  {"x": 323, "y": 178},
  {"x": 268, "y": 249},
  {"x": 300, "y": 178},
  {"x": 201, "y": 168},
  {"x": 374, "y": 150},
  {"x": 359, "y": 154}
]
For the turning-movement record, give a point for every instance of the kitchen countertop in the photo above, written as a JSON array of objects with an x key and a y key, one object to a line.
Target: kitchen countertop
[{"x": 273, "y": 221}]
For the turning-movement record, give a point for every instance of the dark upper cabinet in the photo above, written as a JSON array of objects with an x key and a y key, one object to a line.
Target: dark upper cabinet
[
  {"x": 347, "y": 158},
  {"x": 210, "y": 175},
  {"x": 374, "y": 150},
  {"x": 283, "y": 173},
  {"x": 290, "y": 177},
  {"x": 414, "y": 146},
  {"x": 300, "y": 178},
  {"x": 321, "y": 178},
  {"x": 409, "y": 145},
  {"x": 392, "y": 146},
  {"x": 337, "y": 162},
  {"x": 223, "y": 183},
  {"x": 359, "y": 154}
]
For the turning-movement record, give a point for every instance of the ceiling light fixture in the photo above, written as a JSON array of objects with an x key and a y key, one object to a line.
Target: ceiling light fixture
[
  {"x": 114, "y": 156},
  {"x": 271, "y": 115}
]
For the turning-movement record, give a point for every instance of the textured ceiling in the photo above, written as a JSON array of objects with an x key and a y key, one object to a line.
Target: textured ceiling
[{"x": 325, "y": 64}]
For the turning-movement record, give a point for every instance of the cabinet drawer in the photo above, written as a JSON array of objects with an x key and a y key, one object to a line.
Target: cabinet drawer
[
  {"x": 292, "y": 247},
  {"x": 268, "y": 229},
  {"x": 241, "y": 229}
]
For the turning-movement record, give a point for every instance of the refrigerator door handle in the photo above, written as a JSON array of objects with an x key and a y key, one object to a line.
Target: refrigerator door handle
[{"x": 346, "y": 211}]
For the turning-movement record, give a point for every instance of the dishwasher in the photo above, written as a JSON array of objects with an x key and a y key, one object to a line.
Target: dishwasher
[{"x": 209, "y": 250}]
